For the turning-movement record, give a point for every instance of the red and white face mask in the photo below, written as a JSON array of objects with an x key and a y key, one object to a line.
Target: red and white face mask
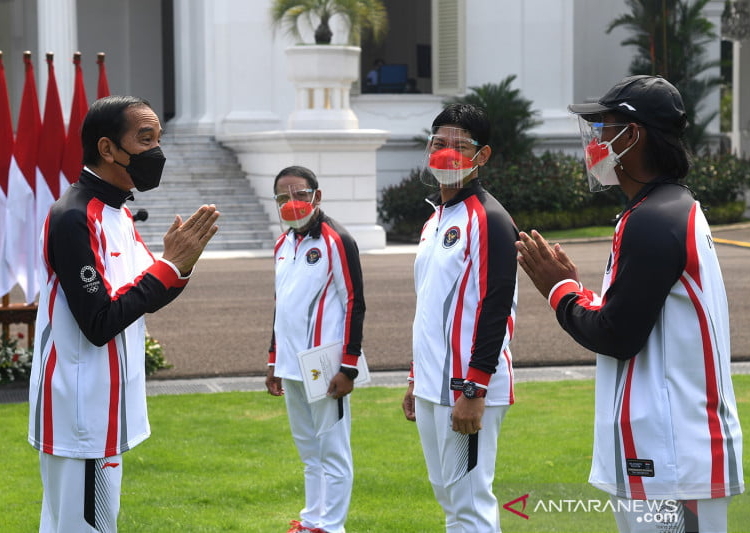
[
  {"x": 600, "y": 158},
  {"x": 449, "y": 158},
  {"x": 296, "y": 206},
  {"x": 451, "y": 167},
  {"x": 296, "y": 214}
]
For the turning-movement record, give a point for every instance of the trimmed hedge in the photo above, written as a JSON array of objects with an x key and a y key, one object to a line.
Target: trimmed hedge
[{"x": 550, "y": 192}]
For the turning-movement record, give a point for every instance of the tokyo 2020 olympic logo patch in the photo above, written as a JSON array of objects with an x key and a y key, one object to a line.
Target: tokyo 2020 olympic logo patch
[
  {"x": 313, "y": 256},
  {"x": 451, "y": 237},
  {"x": 88, "y": 277}
]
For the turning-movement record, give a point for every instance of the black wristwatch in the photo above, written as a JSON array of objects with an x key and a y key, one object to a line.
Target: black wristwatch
[
  {"x": 349, "y": 372},
  {"x": 472, "y": 390}
]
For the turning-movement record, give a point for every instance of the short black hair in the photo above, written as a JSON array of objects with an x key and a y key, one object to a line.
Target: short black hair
[
  {"x": 106, "y": 118},
  {"x": 300, "y": 172},
  {"x": 467, "y": 117}
]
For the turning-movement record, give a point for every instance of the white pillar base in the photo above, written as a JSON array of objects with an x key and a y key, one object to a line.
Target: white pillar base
[{"x": 343, "y": 160}]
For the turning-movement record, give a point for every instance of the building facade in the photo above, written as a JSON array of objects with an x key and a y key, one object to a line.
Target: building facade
[{"x": 219, "y": 67}]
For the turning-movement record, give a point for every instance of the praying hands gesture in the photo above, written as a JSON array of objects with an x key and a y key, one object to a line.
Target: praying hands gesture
[{"x": 184, "y": 241}]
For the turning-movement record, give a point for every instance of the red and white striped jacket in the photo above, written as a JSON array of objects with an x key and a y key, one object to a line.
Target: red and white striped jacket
[
  {"x": 87, "y": 395},
  {"x": 319, "y": 296},
  {"x": 666, "y": 423},
  {"x": 465, "y": 280}
]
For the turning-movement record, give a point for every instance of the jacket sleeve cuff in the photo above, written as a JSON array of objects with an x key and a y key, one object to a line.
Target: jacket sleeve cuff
[
  {"x": 562, "y": 288},
  {"x": 479, "y": 377},
  {"x": 168, "y": 274},
  {"x": 271, "y": 358},
  {"x": 349, "y": 360}
]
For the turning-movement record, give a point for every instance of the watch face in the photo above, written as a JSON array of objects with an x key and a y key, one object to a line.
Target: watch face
[{"x": 471, "y": 390}]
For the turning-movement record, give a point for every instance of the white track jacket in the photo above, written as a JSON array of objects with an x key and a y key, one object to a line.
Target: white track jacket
[
  {"x": 666, "y": 422},
  {"x": 465, "y": 279},
  {"x": 319, "y": 296},
  {"x": 87, "y": 396}
]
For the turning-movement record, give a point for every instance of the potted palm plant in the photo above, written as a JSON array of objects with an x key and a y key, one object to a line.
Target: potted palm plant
[
  {"x": 357, "y": 16},
  {"x": 323, "y": 73}
]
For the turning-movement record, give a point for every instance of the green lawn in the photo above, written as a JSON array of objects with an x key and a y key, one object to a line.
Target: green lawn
[{"x": 226, "y": 462}]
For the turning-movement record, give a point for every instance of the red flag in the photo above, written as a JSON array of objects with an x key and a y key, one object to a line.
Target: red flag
[
  {"x": 51, "y": 140},
  {"x": 6, "y": 132},
  {"x": 21, "y": 237},
  {"x": 73, "y": 154},
  {"x": 102, "y": 88},
  {"x": 7, "y": 279}
]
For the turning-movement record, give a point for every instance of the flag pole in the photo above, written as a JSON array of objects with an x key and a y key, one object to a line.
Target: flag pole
[{"x": 102, "y": 89}]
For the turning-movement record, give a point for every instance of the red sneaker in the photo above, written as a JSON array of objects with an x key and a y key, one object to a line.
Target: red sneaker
[{"x": 296, "y": 527}]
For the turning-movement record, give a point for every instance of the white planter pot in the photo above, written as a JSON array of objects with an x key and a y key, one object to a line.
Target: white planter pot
[{"x": 322, "y": 77}]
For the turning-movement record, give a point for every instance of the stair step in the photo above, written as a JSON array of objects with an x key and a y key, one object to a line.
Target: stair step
[{"x": 199, "y": 171}]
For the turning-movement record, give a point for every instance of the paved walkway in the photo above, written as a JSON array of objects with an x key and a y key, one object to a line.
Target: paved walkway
[
  {"x": 156, "y": 387},
  {"x": 220, "y": 326}
]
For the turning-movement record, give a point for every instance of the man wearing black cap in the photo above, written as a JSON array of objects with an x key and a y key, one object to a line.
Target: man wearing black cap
[{"x": 666, "y": 424}]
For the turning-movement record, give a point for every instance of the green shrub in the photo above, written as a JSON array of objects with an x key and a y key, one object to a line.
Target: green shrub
[
  {"x": 511, "y": 118},
  {"x": 717, "y": 179},
  {"x": 550, "y": 182},
  {"x": 15, "y": 360},
  {"x": 555, "y": 220},
  {"x": 154, "y": 356},
  {"x": 550, "y": 192},
  {"x": 403, "y": 208},
  {"x": 727, "y": 213}
]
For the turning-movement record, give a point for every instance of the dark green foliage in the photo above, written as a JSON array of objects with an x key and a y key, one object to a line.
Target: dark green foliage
[
  {"x": 728, "y": 213},
  {"x": 154, "y": 356},
  {"x": 717, "y": 179},
  {"x": 550, "y": 182},
  {"x": 670, "y": 37},
  {"x": 404, "y": 209},
  {"x": 511, "y": 117},
  {"x": 550, "y": 192}
]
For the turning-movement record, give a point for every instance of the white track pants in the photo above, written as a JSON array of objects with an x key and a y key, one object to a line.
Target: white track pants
[
  {"x": 80, "y": 495},
  {"x": 461, "y": 467},
  {"x": 671, "y": 516},
  {"x": 322, "y": 431}
]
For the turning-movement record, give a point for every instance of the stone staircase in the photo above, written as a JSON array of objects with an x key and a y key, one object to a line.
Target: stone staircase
[{"x": 201, "y": 171}]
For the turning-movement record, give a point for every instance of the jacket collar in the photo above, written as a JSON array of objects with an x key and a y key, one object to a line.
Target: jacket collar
[{"x": 106, "y": 192}]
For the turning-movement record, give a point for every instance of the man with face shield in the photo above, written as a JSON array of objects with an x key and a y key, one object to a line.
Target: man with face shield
[
  {"x": 461, "y": 383},
  {"x": 666, "y": 424},
  {"x": 319, "y": 299},
  {"x": 87, "y": 393}
]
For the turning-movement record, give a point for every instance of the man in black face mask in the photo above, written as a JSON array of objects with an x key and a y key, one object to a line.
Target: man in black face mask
[{"x": 87, "y": 395}]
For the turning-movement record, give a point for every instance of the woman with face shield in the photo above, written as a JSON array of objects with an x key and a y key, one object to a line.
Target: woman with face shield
[
  {"x": 319, "y": 300},
  {"x": 461, "y": 384},
  {"x": 666, "y": 424}
]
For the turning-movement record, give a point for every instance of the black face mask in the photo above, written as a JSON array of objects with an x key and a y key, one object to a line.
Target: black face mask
[{"x": 145, "y": 168}]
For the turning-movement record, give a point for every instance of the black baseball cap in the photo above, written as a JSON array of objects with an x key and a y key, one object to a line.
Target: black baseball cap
[{"x": 649, "y": 100}]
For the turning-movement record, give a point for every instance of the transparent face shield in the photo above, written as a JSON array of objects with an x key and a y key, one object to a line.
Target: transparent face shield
[
  {"x": 450, "y": 158},
  {"x": 599, "y": 156},
  {"x": 295, "y": 205}
]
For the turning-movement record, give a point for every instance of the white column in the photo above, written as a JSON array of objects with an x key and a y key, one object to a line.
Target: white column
[
  {"x": 58, "y": 33},
  {"x": 194, "y": 97},
  {"x": 343, "y": 160}
]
